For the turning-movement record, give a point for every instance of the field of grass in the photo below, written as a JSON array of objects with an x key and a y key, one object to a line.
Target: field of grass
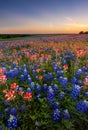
[{"x": 44, "y": 83}]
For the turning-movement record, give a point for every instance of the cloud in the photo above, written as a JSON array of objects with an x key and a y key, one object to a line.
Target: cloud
[
  {"x": 68, "y": 18},
  {"x": 71, "y": 24}
]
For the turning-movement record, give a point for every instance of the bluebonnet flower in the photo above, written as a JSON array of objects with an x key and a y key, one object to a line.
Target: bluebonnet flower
[
  {"x": 55, "y": 68},
  {"x": 46, "y": 77},
  {"x": 14, "y": 64},
  {"x": 29, "y": 79},
  {"x": 63, "y": 81},
  {"x": 22, "y": 78},
  {"x": 56, "y": 115},
  {"x": 55, "y": 105},
  {"x": 82, "y": 106},
  {"x": 16, "y": 72},
  {"x": 34, "y": 72},
  {"x": 3, "y": 64},
  {"x": 29, "y": 90},
  {"x": 36, "y": 78},
  {"x": 66, "y": 114},
  {"x": 11, "y": 74},
  {"x": 50, "y": 76},
  {"x": 45, "y": 87},
  {"x": 50, "y": 94},
  {"x": 79, "y": 82},
  {"x": 53, "y": 64},
  {"x": 32, "y": 85},
  {"x": 61, "y": 95},
  {"x": 1, "y": 116},
  {"x": 6, "y": 103},
  {"x": 12, "y": 122},
  {"x": 75, "y": 92},
  {"x": 86, "y": 94},
  {"x": 59, "y": 73},
  {"x": 23, "y": 107},
  {"x": 20, "y": 89},
  {"x": 38, "y": 96},
  {"x": 1, "y": 127},
  {"x": 20, "y": 70},
  {"x": 64, "y": 61},
  {"x": 74, "y": 80},
  {"x": 38, "y": 88},
  {"x": 25, "y": 67},
  {"x": 13, "y": 111},
  {"x": 78, "y": 73},
  {"x": 84, "y": 69},
  {"x": 4, "y": 68},
  {"x": 25, "y": 72},
  {"x": 60, "y": 69},
  {"x": 54, "y": 87}
]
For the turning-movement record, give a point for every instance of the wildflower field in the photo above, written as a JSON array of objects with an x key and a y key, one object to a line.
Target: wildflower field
[{"x": 44, "y": 83}]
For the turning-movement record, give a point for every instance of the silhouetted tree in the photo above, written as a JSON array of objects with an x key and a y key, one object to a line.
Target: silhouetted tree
[{"x": 81, "y": 32}]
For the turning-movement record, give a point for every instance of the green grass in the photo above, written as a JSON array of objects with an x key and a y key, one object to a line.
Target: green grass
[{"x": 19, "y": 38}]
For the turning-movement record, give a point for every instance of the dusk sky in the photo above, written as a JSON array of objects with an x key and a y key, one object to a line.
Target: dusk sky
[{"x": 43, "y": 16}]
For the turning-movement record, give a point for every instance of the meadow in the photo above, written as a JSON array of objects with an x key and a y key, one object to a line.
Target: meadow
[{"x": 44, "y": 83}]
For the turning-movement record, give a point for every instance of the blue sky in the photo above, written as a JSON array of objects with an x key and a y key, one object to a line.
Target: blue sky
[{"x": 43, "y": 16}]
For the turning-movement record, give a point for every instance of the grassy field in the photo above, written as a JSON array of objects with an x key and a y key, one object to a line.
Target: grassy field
[{"x": 44, "y": 83}]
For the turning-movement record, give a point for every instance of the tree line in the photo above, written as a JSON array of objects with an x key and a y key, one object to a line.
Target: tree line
[
  {"x": 6, "y": 36},
  {"x": 82, "y": 32}
]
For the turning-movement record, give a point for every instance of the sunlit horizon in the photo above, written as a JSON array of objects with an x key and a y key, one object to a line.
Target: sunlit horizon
[{"x": 43, "y": 17}]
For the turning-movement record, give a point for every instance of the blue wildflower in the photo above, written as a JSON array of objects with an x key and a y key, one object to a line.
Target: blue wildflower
[
  {"x": 50, "y": 76},
  {"x": 55, "y": 105},
  {"x": 50, "y": 94},
  {"x": 22, "y": 78},
  {"x": 61, "y": 95},
  {"x": 13, "y": 111},
  {"x": 23, "y": 107},
  {"x": 38, "y": 96},
  {"x": 75, "y": 92},
  {"x": 86, "y": 94},
  {"x": 56, "y": 115},
  {"x": 55, "y": 87},
  {"x": 74, "y": 80},
  {"x": 66, "y": 114},
  {"x": 12, "y": 122},
  {"x": 38, "y": 88},
  {"x": 78, "y": 73},
  {"x": 6, "y": 103},
  {"x": 82, "y": 106},
  {"x": 59, "y": 73},
  {"x": 29, "y": 80},
  {"x": 63, "y": 81},
  {"x": 79, "y": 82},
  {"x": 45, "y": 87},
  {"x": 32, "y": 85},
  {"x": 29, "y": 90}
]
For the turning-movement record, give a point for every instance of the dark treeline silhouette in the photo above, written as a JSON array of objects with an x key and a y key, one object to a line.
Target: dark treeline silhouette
[
  {"x": 82, "y": 32},
  {"x": 7, "y": 36}
]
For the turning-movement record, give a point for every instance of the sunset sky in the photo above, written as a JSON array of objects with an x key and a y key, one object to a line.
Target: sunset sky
[{"x": 43, "y": 16}]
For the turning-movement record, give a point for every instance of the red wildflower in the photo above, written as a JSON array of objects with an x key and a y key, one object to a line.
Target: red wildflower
[
  {"x": 65, "y": 67},
  {"x": 86, "y": 81},
  {"x": 14, "y": 86},
  {"x": 40, "y": 77},
  {"x": 10, "y": 95},
  {"x": 28, "y": 96},
  {"x": 2, "y": 79}
]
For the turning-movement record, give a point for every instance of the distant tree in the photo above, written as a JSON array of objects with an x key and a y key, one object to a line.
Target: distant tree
[
  {"x": 86, "y": 32},
  {"x": 81, "y": 32}
]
